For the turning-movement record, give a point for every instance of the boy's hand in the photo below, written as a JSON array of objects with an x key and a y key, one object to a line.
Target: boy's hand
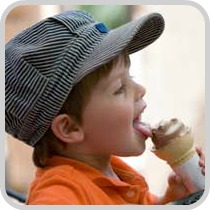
[
  {"x": 176, "y": 189},
  {"x": 202, "y": 159}
]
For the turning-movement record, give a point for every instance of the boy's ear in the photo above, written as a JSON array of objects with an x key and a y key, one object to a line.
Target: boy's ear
[{"x": 66, "y": 129}]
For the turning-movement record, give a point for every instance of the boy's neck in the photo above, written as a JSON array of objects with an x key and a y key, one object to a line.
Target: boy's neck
[{"x": 101, "y": 163}]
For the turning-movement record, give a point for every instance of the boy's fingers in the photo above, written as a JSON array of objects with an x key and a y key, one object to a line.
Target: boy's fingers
[
  {"x": 200, "y": 153},
  {"x": 203, "y": 171},
  {"x": 174, "y": 179},
  {"x": 199, "y": 150},
  {"x": 201, "y": 163}
]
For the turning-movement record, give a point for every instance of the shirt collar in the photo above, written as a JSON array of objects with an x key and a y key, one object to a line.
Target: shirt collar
[{"x": 126, "y": 174}]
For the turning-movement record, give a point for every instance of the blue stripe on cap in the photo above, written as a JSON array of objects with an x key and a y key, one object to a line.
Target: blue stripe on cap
[{"x": 102, "y": 28}]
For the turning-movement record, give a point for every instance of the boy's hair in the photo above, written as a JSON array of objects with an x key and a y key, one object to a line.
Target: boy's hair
[{"x": 73, "y": 106}]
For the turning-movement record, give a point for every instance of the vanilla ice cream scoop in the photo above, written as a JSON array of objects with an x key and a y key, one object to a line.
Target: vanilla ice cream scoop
[
  {"x": 166, "y": 130},
  {"x": 174, "y": 143}
]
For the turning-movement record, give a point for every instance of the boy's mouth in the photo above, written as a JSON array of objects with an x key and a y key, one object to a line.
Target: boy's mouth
[{"x": 142, "y": 128}]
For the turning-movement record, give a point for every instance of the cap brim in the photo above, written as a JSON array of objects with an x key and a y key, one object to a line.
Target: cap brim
[{"x": 131, "y": 37}]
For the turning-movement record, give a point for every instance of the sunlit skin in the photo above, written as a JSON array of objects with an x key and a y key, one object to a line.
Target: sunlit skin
[
  {"x": 108, "y": 118},
  {"x": 107, "y": 122}
]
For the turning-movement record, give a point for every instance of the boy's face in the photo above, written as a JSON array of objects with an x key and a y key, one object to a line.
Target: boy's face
[{"x": 108, "y": 119}]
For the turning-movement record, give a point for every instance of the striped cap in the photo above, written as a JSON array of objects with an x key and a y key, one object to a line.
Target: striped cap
[{"x": 46, "y": 60}]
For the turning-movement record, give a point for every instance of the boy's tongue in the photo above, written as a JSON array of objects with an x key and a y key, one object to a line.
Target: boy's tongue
[{"x": 142, "y": 128}]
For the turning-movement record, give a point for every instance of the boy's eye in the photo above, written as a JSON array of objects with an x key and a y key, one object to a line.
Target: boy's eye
[{"x": 122, "y": 89}]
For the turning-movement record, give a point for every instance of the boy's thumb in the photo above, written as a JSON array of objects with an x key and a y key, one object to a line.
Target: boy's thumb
[{"x": 174, "y": 179}]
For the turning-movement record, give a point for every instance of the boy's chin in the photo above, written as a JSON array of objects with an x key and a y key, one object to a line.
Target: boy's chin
[
  {"x": 138, "y": 150},
  {"x": 135, "y": 151},
  {"x": 141, "y": 146},
  {"x": 140, "y": 139}
]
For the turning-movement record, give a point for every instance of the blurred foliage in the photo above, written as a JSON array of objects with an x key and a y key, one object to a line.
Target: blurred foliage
[{"x": 111, "y": 15}]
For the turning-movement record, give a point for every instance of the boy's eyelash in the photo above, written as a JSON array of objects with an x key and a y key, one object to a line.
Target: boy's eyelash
[{"x": 121, "y": 89}]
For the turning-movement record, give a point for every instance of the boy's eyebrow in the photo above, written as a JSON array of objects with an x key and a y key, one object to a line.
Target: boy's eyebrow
[{"x": 118, "y": 75}]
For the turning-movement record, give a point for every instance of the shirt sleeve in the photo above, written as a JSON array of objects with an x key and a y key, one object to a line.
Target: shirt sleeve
[{"x": 56, "y": 191}]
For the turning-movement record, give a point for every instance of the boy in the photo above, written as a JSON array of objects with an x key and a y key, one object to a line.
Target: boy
[{"x": 69, "y": 95}]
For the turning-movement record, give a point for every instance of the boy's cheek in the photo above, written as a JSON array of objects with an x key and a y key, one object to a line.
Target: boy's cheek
[
  {"x": 113, "y": 124},
  {"x": 110, "y": 116}
]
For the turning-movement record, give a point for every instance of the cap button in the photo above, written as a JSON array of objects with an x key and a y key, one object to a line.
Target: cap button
[{"x": 130, "y": 194}]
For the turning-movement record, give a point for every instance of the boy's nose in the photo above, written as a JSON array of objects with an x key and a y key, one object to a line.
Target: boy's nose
[{"x": 140, "y": 91}]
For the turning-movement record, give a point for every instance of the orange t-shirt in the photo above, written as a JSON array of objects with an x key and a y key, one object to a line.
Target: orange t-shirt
[{"x": 66, "y": 181}]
